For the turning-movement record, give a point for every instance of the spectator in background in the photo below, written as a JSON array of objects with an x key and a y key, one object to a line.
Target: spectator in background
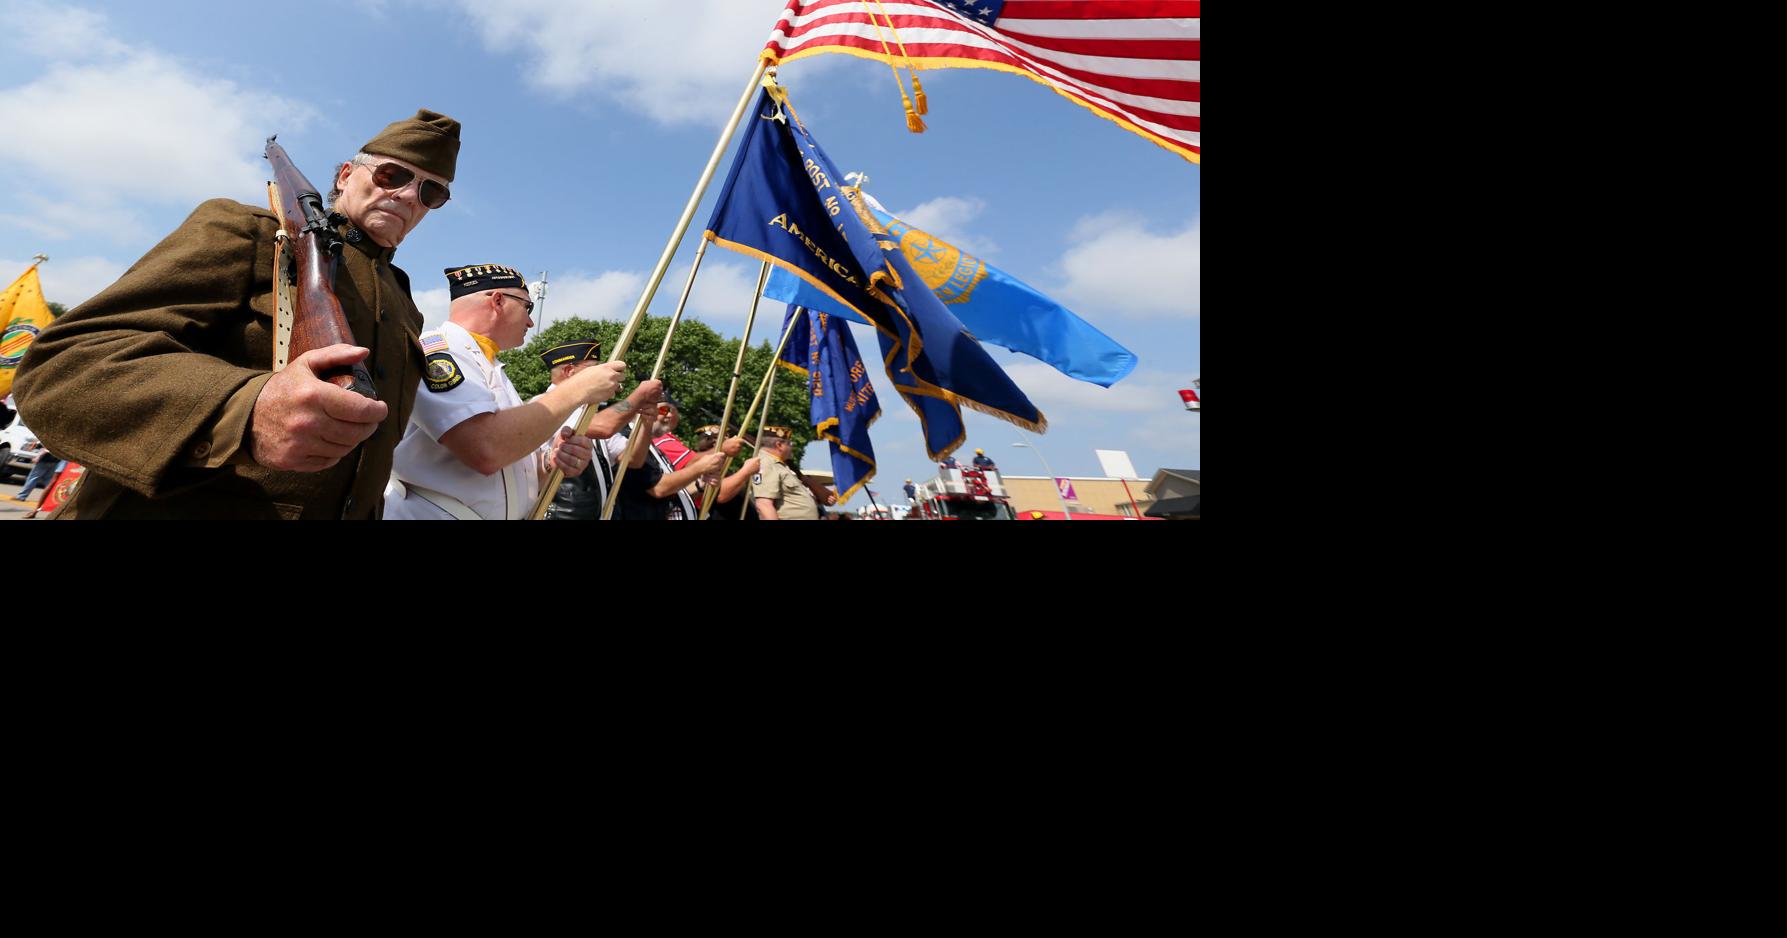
[{"x": 46, "y": 468}]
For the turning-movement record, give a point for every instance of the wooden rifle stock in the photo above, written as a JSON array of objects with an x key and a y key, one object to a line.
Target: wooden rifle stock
[{"x": 309, "y": 316}]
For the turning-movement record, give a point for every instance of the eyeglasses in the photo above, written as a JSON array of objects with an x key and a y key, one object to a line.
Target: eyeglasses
[
  {"x": 394, "y": 177},
  {"x": 527, "y": 306}
]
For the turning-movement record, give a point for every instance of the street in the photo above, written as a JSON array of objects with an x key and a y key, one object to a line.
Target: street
[{"x": 11, "y": 510}]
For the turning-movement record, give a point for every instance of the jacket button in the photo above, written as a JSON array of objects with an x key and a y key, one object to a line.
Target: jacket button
[
  {"x": 202, "y": 449},
  {"x": 348, "y": 507}
]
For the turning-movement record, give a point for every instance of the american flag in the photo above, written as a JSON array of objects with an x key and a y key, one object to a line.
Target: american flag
[{"x": 1135, "y": 62}]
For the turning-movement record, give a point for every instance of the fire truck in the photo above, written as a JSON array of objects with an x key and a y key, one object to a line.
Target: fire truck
[{"x": 963, "y": 494}]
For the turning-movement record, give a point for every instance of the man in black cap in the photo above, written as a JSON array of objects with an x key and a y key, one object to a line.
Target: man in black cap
[
  {"x": 726, "y": 504},
  {"x": 162, "y": 385},
  {"x": 581, "y": 496},
  {"x": 474, "y": 450}
]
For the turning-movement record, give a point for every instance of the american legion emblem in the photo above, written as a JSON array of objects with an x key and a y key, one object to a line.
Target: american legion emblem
[{"x": 949, "y": 273}]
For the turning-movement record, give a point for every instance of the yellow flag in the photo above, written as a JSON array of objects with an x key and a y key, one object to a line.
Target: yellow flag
[{"x": 25, "y": 314}]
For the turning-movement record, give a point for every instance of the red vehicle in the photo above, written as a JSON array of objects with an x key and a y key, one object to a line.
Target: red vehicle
[{"x": 963, "y": 493}]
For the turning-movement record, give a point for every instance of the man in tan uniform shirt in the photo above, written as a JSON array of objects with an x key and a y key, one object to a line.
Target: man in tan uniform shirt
[
  {"x": 162, "y": 384},
  {"x": 781, "y": 495}
]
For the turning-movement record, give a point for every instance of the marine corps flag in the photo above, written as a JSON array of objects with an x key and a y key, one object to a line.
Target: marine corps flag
[
  {"x": 25, "y": 314},
  {"x": 844, "y": 405},
  {"x": 783, "y": 204}
]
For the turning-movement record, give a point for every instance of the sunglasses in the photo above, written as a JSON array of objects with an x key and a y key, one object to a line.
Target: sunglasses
[
  {"x": 394, "y": 177},
  {"x": 527, "y": 306}
]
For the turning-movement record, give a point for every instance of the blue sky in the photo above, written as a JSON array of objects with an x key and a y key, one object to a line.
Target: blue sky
[{"x": 586, "y": 127}]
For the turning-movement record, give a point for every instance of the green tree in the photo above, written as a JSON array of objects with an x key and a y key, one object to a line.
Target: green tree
[
  {"x": 697, "y": 373},
  {"x": 57, "y": 309}
]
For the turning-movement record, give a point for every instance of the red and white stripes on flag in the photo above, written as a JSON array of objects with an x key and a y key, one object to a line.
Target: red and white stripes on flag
[{"x": 1135, "y": 62}]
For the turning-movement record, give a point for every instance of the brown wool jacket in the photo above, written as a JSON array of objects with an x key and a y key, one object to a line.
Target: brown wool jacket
[{"x": 151, "y": 384}]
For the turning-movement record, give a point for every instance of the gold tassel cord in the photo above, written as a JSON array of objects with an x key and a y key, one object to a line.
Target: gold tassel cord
[
  {"x": 913, "y": 123},
  {"x": 918, "y": 90}
]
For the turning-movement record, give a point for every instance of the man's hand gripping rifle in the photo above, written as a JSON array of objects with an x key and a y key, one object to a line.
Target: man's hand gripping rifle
[{"x": 308, "y": 314}]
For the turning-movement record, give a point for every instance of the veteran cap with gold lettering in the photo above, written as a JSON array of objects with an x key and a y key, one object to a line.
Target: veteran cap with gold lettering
[
  {"x": 570, "y": 353},
  {"x": 779, "y": 433},
  {"x": 480, "y": 277},
  {"x": 430, "y": 140},
  {"x": 712, "y": 429}
]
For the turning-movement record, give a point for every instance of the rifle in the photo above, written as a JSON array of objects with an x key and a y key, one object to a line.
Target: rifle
[{"x": 305, "y": 251}]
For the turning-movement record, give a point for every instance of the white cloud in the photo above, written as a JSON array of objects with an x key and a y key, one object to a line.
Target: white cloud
[
  {"x": 70, "y": 281},
  {"x": 1118, "y": 267},
  {"x": 1176, "y": 438},
  {"x": 33, "y": 29},
  {"x": 949, "y": 217},
  {"x": 1142, "y": 392},
  {"x": 108, "y": 126},
  {"x": 722, "y": 299},
  {"x": 676, "y": 63},
  {"x": 433, "y": 306},
  {"x": 608, "y": 295}
]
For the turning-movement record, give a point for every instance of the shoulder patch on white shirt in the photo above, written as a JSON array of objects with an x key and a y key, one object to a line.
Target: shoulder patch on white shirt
[
  {"x": 442, "y": 373},
  {"x": 433, "y": 342}
]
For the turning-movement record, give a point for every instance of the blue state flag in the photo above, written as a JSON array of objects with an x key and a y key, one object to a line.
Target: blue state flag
[
  {"x": 991, "y": 303},
  {"x": 782, "y": 203},
  {"x": 844, "y": 404}
]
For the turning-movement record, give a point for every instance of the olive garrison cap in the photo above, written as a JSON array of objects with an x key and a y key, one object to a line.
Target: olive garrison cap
[
  {"x": 429, "y": 140},
  {"x": 480, "y": 277},
  {"x": 570, "y": 353}
]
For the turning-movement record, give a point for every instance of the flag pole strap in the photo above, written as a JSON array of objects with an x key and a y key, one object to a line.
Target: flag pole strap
[
  {"x": 657, "y": 277},
  {"x": 707, "y": 499},
  {"x": 641, "y": 426},
  {"x": 767, "y": 390}
]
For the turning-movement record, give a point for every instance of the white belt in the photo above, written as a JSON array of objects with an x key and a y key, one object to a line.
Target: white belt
[{"x": 444, "y": 502}]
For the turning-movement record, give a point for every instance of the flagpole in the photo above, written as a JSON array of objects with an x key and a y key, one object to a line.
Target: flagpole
[
  {"x": 767, "y": 390},
  {"x": 682, "y": 224},
  {"x": 640, "y": 427},
  {"x": 657, "y": 277},
  {"x": 744, "y": 345}
]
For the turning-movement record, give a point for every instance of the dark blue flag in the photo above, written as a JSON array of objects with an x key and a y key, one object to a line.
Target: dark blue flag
[
  {"x": 844, "y": 404},
  {"x": 783, "y": 203}
]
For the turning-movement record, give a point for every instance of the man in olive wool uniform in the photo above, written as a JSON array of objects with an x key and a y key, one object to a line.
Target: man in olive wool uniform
[{"x": 162, "y": 384}]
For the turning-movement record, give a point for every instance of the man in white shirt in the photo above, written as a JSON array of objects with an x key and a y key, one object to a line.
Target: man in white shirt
[{"x": 473, "y": 450}]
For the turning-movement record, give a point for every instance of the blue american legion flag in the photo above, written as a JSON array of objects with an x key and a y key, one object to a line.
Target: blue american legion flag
[
  {"x": 783, "y": 203},
  {"x": 844, "y": 404},
  {"x": 995, "y": 306}
]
